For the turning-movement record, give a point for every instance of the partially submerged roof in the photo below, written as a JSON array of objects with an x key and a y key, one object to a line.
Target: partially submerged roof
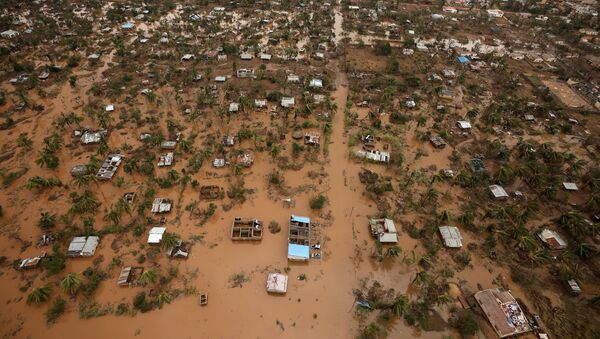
[
  {"x": 297, "y": 218},
  {"x": 155, "y": 235},
  {"x": 298, "y": 252},
  {"x": 464, "y": 124},
  {"x": 503, "y": 312},
  {"x": 89, "y": 137},
  {"x": 498, "y": 191},
  {"x": 451, "y": 236},
  {"x": 109, "y": 167},
  {"x": 277, "y": 283},
  {"x": 160, "y": 205},
  {"x": 374, "y": 155},
  {"x": 83, "y": 246},
  {"x": 552, "y": 239},
  {"x": 388, "y": 238},
  {"x": 288, "y": 101}
]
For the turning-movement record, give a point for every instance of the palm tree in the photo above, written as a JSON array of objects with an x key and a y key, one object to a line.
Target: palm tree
[
  {"x": 163, "y": 298},
  {"x": 593, "y": 202},
  {"x": 40, "y": 294},
  {"x": 539, "y": 257},
  {"x": 442, "y": 299},
  {"x": 467, "y": 219},
  {"x": 84, "y": 203},
  {"x": 186, "y": 145},
  {"x": 421, "y": 278},
  {"x": 47, "y": 220},
  {"x": 149, "y": 277},
  {"x": 83, "y": 180},
  {"x": 173, "y": 175},
  {"x": 274, "y": 152},
  {"x": 445, "y": 217},
  {"x": 41, "y": 183},
  {"x": 430, "y": 196},
  {"x": 400, "y": 305},
  {"x": 113, "y": 216},
  {"x": 504, "y": 175},
  {"x": 47, "y": 159},
  {"x": 585, "y": 250},
  {"x": 595, "y": 300},
  {"x": 523, "y": 239},
  {"x": 575, "y": 223},
  {"x": 70, "y": 284},
  {"x": 577, "y": 166},
  {"x": 393, "y": 251},
  {"x": 169, "y": 240}
]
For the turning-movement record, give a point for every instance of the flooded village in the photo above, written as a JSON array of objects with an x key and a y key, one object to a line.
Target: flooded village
[{"x": 331, "y": 169}]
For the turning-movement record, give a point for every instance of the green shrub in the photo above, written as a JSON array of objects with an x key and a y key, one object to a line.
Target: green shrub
[
  {"x": 318, "y": 202},
  {"x": 56, "y": 310}
]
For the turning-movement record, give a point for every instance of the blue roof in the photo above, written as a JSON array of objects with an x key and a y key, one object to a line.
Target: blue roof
[
  {"x": 298, "y": 252},
  {"x": 297, "y": 218},
  {"x": 463, "y": 59}
]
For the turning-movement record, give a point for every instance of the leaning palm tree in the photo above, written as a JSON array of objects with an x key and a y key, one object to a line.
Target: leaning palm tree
[
  {"x": 149, "y": 277},
  {"x": 70, "y": 284},
  {"x": 40, "y": 294},
  {"x": 442, "y": 299}
]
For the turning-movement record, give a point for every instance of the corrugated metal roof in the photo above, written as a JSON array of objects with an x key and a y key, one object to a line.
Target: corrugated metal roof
[
  {"x": 451, "y": 236},
  {"x": 90, "y": 246},
  {"x": 389, "y": 225},
  {"x": 387, "y": 238}
]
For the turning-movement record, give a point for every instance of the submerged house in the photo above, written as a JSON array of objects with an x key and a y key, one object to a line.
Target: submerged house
[
  {"x": 246, "y": 229},
  {"x": 312, "y": 138},
  {"x": 109, "y": 166},
  {"x": 79, "y": 170},
  {"x": 287, "y": 102},
  {"x": 552, "y": 239},
  {"x": 374, "y": 155},
  {"x": 299, "y": 238},
  {"x": 451, "y": 236},
  {"x": 129, "y": 275},
  {"x": 277, "y": 283},
  {"x": 384, "y": 230},
  {"x": 245, "y": 159},
  {"x": 165, "y": 159},
  {"x": 156, "y": 234},
  {"x": 498, "y": 192},
  {"x": 168, "y": 144},
  {"x": 90, "y": 138},
  {"x": 503, "y": 312},
  {"x": 437, "y": 142},
  {"x": 161, "y": 205},
  {"x": 83, "y": 246},
  {"x": 246, "y": 73}
]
